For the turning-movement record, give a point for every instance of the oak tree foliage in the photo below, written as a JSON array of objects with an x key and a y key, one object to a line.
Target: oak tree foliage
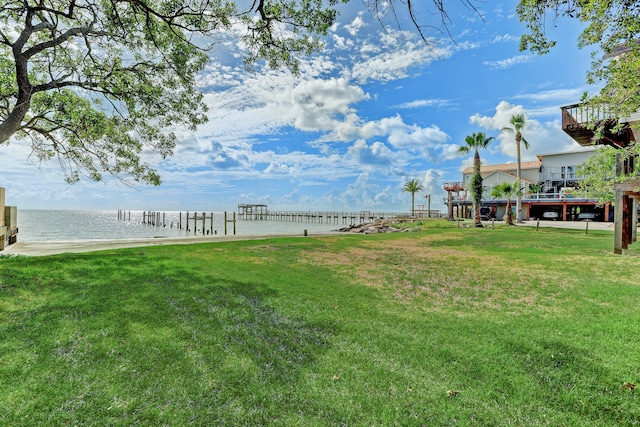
[
  {"x": 93, "y": 83},
  {"x": 602, "y": 171}
]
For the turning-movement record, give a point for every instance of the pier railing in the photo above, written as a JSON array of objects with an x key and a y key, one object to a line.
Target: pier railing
[
  {"x": 344, "y": 218},
  {"x": 203, "y": 222}
]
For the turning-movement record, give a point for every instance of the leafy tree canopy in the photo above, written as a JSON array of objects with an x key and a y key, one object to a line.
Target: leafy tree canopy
[
  {"x": 94, "y": 82},
  {"x": 613, "y": 26},
  {"x": 602, "y": 171},
  {"x": 507, "y": 190}
]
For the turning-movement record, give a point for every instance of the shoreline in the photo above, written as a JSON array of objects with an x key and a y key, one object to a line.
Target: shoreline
[{"x": 78, "y": 246}]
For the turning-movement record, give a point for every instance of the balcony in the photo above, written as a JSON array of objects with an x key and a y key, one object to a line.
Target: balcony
[
  {"x": 579, "y": 120},
  {"x": 527, "y": 198},
  {"x": 453, "y": 186}
]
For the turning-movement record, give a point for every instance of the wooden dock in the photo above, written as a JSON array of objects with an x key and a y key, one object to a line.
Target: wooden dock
[
  {"x": 191, "y": 221},
  {"x": 259, "y": 212},
  {"x": 250, "y": 213},
  {"x": 203, "y": 222}
]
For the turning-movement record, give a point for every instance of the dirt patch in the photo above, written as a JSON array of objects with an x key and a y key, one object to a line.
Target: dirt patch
[{"x": 422, "y": 271}]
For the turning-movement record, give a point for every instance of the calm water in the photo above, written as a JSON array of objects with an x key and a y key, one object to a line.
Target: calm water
[{"x": 60, "y": 225}]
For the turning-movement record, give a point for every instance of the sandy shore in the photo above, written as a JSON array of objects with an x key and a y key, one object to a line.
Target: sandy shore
[
  {"x": 59, "y": 247},
  {"x": 52, "y": 248}
]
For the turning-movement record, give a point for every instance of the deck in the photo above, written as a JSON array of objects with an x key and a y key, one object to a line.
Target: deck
[{"x": 579, "y": 121}]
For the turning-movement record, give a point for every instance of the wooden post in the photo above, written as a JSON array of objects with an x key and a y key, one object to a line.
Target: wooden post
[
  {"x": 428, "y": 206},
  {"x": 617, "y": 222},
  {"x": 634, "y": 219},
  {"x": 618, "y": 215},
  {"x": 195, "y": 222}
]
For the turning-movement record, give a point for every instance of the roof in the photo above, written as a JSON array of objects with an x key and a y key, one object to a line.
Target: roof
[
  {"x": 505, "y": 167},
  {"x": 564, "y": 153},
  {"x": 512, "y": 175}
]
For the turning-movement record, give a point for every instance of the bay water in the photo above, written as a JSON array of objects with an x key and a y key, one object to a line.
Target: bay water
[{"x": 75, "y": 225}]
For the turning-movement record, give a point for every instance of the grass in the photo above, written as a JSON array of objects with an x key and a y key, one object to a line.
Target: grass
[{"x": 442, "y": 326}]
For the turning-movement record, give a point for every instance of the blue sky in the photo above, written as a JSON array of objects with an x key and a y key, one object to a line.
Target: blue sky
[{"x": 373, "y": 110}]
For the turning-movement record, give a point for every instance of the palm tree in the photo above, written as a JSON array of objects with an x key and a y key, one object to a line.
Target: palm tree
[
  {"x": 518, "y": 121},
  {"x": 507, "y": 190},
  {"x": 475, "y": 142},
  {"x": 412, "y": 187}
]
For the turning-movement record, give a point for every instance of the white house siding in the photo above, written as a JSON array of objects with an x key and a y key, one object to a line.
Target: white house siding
[{"x": 560, "y": 169}]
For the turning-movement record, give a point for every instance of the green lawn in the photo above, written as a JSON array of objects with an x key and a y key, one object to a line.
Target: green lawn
[{"x": 439, "y": 327}]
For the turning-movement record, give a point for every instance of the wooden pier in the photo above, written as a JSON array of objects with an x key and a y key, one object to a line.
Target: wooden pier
[
  {"x": 261, "y": 213},
  {"x": 203, "y": 222},
  {"x": 189, "y": 221}
]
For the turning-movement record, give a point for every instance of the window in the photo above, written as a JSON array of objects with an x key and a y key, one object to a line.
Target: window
[{"x": 568, "y": 172}]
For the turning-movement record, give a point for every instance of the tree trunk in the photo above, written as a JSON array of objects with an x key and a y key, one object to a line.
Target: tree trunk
[
  {"x": 508, "y": 217},
  {"x": 477, "y": 193},
  {"x": 23, "y": 103},
  {"x": 519, "y": 179},
  {"x": 413, "y": 199}
]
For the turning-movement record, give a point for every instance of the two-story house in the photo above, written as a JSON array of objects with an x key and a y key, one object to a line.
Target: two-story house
[{"x": 548, "y": 185}]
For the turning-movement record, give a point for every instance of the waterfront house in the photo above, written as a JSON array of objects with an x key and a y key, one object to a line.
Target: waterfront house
[{"x": 548, "y": 185}]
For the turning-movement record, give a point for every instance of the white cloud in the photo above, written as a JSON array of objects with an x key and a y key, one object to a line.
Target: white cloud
[
  {"x": 370, "y": 156},
  {"x": 505, "y": 38},
  {"x": 363, "y": 193},
  {"x": 341, "y": 42},
  {"x": 561, "y": 96},
  {"x": 467, "y": 162},
  {"x": 416, "y": 137},
  {"x": 423, "y": 103},
  {"x": 449, "y": 151},
  {"x": 354, "y": 27},
  {"x": 433, "y": 184},
  {"x": 543, "y": 137},
  {"x": 278, "y": 168},
  {"x": 392, "y": 55},
  {"x": 318, "y": 105},
  {"x": 508, "y": 62}
]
